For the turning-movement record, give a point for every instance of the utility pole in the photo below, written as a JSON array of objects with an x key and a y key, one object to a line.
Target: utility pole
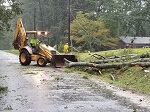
[
  {"x": 69, "y": 11},
  {"x": 41, "y": 16},
  {"x": 34, "y": 19}
]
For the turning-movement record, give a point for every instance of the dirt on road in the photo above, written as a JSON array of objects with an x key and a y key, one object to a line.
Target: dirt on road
[{"x": 46, "y": 89}]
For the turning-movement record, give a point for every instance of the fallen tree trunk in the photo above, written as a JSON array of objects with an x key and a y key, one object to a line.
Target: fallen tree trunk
[
  {"x": 106, "y": 66},
  {"x": 119, "y": 59},
  {"x": 108, "y": 60},
  {"x": 98, "y": 56},
  {"x": 102, "y": 59}
]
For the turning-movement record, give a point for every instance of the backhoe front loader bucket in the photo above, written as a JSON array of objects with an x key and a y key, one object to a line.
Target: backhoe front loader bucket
[{"x": 58, "y": 60}]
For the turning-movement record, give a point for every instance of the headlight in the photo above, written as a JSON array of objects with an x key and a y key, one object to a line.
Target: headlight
[
  {"x": 46, "y": 33},
  {"x": 38, "y": 33}
]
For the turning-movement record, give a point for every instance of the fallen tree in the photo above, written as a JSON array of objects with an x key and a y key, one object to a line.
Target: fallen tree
[
  {"x": 119, "y": 60},
  {"x": 129, "y": 60},
  {"x": 106, "y": 66},
  {"x": 122, "y": 58}
]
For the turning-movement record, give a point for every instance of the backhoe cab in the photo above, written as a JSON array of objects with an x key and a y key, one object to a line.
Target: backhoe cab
[{"x": 45, "y": 53}]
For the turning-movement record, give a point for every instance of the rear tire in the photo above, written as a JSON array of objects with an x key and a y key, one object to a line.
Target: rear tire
[
  {"x": 41, "y": 62},
  {"x": 25, "y": 57}
]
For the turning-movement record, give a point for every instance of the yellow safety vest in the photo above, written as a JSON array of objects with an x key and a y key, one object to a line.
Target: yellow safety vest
[{"x": 34, "y": 41}]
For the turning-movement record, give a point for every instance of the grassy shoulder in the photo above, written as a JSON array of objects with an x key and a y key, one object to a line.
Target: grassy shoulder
[
  {"x": 118, "y": 52},
  {"x": 16, "y": 52},
  {"x": 3, "y": 88},
  {"x": 135, "y": 79}
]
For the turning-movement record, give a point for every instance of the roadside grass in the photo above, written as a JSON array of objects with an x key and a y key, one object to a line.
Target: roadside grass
[
  {"x": 119, "y": 52},
  {"x": 3, "y": 88},
  {"x": 16, "y": 52},
  {"x": 135, "y": 79},
  {"x": 8, "y": 108}
]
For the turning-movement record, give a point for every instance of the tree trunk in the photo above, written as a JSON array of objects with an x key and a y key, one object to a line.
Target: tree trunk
[
  {"x": 106, "y": 66},
  {"x": 119, "y": 59}
]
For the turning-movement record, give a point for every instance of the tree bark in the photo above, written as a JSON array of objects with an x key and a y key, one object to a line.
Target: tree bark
[
  {"x": 119, "y": 59},
  {"x": 106, "y": 66}
]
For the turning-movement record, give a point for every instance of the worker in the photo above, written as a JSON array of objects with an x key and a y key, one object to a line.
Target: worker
[
  {"x": 66, "y": 48},
  {"x": 34, "y": 41}
]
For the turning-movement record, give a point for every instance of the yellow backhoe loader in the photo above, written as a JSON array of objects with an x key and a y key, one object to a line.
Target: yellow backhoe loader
[{"x": 43, "y": 54}]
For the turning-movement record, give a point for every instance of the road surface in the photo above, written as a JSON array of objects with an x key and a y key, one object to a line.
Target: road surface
[{"x": 46, "y": 89}]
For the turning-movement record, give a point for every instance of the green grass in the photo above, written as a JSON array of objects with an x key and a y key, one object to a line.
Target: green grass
[
  {"x": 131, "y": 78},
  {"x": 8, "y": 108},
  {"x": 3, "y": 88},
  {"x": 135, "y": 79},
  {"x": 119, "y": 52},
  {"x": 16, "y": 52}
]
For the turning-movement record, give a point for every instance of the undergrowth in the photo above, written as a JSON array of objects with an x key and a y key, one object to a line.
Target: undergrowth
[{"x": 135, "y": 79}]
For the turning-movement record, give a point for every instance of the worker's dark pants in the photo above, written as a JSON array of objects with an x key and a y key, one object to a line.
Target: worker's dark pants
[{"x": 34, "y": 50}]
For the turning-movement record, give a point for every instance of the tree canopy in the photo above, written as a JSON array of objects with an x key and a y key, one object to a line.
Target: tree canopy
[
  {"x": 8, "y": 10},
  {"x": 125, "y": 17},
  {"x": 90, "y": 34},
  {"x": 98, "y": 26}
]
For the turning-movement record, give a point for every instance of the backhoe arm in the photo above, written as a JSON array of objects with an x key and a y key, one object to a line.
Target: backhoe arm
[{"x": 20, "y": 39}]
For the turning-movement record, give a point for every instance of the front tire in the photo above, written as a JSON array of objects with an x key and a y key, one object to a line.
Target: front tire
[
  {"x": 25, "y": 57},
  {"x": 41, "y": 62}
]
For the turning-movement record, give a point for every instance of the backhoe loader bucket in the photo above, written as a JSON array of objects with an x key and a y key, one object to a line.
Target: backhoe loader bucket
[{"x": 58, "y": 60}]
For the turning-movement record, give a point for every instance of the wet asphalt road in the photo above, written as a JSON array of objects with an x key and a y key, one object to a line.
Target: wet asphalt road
[{"x": 37, "y": 89}]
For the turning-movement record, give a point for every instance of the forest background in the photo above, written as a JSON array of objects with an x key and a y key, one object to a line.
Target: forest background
[{"x": 96, "y": 25}]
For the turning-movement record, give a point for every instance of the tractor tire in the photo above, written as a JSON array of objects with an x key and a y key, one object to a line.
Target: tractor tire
[
  {"x": 25, "y": 57},
  {"x": 41, "y": 62}
]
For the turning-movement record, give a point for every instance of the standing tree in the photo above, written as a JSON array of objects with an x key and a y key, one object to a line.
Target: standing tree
[
  {"x": 125, "y": 17},
  {"x": 8, "y": 10},
  {"x": 89, "y": 34}
]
